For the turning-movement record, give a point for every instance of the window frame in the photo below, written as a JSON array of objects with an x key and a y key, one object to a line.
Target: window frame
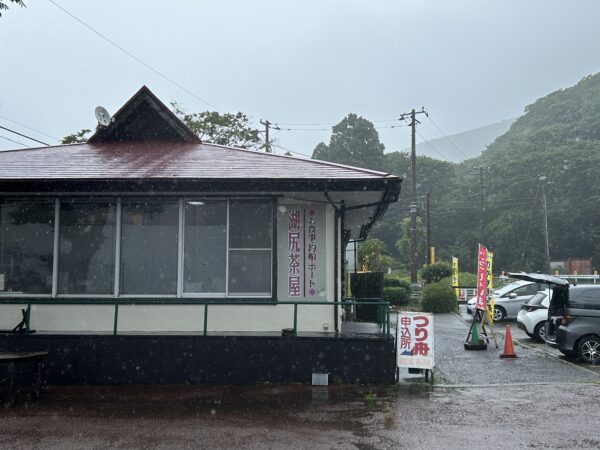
[{"x": 180, "y": 294}]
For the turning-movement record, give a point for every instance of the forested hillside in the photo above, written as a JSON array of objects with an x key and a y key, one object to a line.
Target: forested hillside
[
  {"x": 558, "y": 138},
  {"x": 468, "y": 144}
]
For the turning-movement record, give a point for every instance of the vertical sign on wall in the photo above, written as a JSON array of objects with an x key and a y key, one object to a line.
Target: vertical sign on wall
[
  {"x": 302, "y": 252},
  {"x": 312, "y": 263},
  {"x": 295, "y": 244}
]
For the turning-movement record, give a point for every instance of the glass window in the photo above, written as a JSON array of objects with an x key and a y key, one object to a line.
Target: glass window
[
  {"x": 250, "y": 242},
  {"x": 26, "y": 246},
  {"x": 86, "y": 248},
  {"x": 205, "y": 242},
  {"x": 250, "y": 224},
  {"x": 149, "y": 236},
  {"x": 250, "y": 272},
  {"x": 586, "y": 298},
  {"x": 537, "y": 299}
]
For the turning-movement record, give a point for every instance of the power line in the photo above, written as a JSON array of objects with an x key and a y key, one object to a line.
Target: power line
[
  {"x": 316, "y": 124},
  {"x": 23, "y": 135},
  {"x": 131, "y": 55},
  {"x": 431, "y": 145},
  {"x": 29, "y": 128},
  {"x": 530, "y": 221},
  {"x": 280, "y": 128},
  {"x": 16, "y": 142},
  {"x": 447, "y": 138},
  {"x": 291, "y": 151}
]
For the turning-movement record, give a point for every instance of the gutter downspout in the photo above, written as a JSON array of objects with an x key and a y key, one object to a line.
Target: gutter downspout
[{"x": 336, "y": 299}]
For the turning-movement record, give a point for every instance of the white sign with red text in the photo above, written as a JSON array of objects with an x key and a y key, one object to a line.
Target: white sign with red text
[{"x": 414, "y": 339}]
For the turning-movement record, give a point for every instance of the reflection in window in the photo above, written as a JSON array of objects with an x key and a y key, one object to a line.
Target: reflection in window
[
  {"x": 205, "y": 246},
  {"x": 26, "y": 246},
  {"x": 86, "y": 248},
  {"x": 149, "y": 247}
]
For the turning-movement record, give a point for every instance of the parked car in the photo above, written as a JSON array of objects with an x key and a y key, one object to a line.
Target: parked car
[
  {"x": 508, "y": 299},
  {"x": 573, "y": 324},
  {"x": 533, "y": 315}
]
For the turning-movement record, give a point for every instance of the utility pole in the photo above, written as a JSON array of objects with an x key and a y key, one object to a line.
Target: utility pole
[
  {"x": 481, "y": 207},
  {"x": 413, "y": 204},
  {"x": 267, "y": 124},
  {"x": 542, "y": 179},
  {"x": 429, "y": 261}
]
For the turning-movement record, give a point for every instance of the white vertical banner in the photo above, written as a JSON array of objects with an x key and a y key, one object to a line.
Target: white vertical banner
[
  {"x": 414, "y": 340},
  {"x": 301, "y": 252}
]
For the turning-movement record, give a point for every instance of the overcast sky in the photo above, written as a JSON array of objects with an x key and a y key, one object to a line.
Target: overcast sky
[{"x": 470, "y": 63}]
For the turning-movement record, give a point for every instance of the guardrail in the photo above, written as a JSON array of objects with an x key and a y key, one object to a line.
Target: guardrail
[
  {"x": 383, "y": 308},
  {"x": 593, "y": 278}
]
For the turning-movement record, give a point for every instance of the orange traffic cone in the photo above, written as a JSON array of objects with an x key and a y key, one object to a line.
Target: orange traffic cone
[{"x": 509, "y": 350}]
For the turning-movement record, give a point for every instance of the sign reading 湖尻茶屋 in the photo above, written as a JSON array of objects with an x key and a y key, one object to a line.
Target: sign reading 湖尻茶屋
[
  {"x": 301, "y": 252},
  {"x": 414, "y": 340}
]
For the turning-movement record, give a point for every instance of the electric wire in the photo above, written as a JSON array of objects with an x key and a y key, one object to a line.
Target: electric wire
[
  {"x": 447, "y": 138},
  {"x": 131, "y": 55},
  {"x": 24, "y": 135},
  {"x": 431, "y": 146},
  {"x": 16, "y": 142},
  {"x": 29, "y": 128}
]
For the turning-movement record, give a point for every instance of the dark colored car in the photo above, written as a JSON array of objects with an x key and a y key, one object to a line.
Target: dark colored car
[{"x": 573, "y": 324}]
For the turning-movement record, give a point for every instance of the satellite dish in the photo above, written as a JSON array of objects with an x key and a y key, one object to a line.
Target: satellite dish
[{"x": 103, "y": 116}]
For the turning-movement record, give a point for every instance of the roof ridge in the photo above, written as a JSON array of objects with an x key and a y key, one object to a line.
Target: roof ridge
[{"x": 317, "y": 161}]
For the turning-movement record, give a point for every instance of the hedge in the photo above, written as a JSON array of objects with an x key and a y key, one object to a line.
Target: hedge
[
  {"x": 397, "y": 296},
  {"x": 438, "y": 298}
]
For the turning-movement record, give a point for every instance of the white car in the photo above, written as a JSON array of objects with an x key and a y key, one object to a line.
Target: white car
[
  {"x": 509, "y": 298},
  {"x": 533, "y": 315}
]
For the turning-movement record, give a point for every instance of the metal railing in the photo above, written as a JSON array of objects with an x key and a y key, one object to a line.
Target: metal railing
[{"x": 383, "y": 310}]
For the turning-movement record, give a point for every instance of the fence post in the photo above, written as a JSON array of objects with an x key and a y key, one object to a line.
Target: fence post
[
  {"x": 388, "y": 320},
  {"x": 27, "y": 318},
  {"x": 205, "y": 318},
  {"x": 116, "y": 319},
  {"x": 295, "y": 319}
]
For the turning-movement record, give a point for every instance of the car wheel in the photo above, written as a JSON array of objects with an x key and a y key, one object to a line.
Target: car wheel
[
  {"x": 539, "y": 333},
  {"x": 588, "y": 349},
  {"x": 499, "y": 313}
]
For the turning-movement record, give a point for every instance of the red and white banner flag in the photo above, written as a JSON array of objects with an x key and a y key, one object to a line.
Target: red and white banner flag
[{"x": 482, "y": 278}]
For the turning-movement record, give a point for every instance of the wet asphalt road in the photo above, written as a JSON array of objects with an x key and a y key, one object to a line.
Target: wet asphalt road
[{"x": 536, "y": 401}]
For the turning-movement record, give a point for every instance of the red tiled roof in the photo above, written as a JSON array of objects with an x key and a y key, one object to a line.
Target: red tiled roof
[{"x": 152, "y": 160}]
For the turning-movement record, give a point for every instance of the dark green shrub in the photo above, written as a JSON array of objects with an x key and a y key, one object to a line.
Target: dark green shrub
[
  {"x": 435, "y": 272},
  {"x": 438, "y": 298},
  {"x": 395, "y": 281},
  {"x": 465, "y": 279},
  {"x": 397, "y": 296}
]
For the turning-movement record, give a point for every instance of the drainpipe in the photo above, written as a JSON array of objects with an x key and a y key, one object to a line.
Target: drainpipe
[{"x": 336, "y": 235}]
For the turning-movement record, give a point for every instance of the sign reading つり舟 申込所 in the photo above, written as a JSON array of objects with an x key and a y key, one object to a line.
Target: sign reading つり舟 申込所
[{"x": 414, "y": 340}]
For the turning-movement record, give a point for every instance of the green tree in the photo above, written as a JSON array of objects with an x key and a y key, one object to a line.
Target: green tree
[
  {"x": 433, "y": 273},
  {"x": 372, "y": 257},
  {"x": 355, "y": 142},
  {"x": 224, "y": 129},
  {"x": 78, "y": 137},
  {"x": 4, "y": 6},
  {"x": 403, "y": 244}
]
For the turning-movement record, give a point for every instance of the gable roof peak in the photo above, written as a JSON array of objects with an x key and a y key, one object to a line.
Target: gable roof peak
[{"x": 144, "y": 118}]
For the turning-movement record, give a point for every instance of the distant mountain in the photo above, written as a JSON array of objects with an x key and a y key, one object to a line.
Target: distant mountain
[{"x": 471, "y": 142}]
